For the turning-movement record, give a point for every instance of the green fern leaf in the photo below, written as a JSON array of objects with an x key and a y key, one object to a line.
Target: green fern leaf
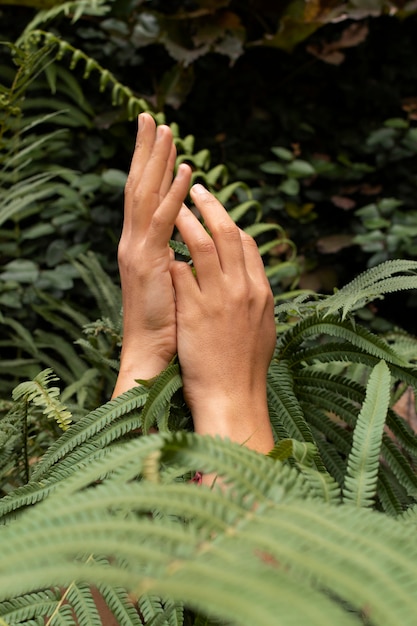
[
  {"x": 363, "y": 462},
  {"x": 158, "y": 612},
  {"x": 87, "y": 427},
  {"x": 281, "y": 396},
  {"x": 335, "y": 464},
  {"x": 348, "y": 553},
  {"x": 371, "y": 284},
  {"x": 400, "y": 466},
  {"x": 80, "y": 597},
  {"x": 355, "y": 334},
  {"x": 28, "y": 607},
  {"x": 180, "y": 248},
  {"x": 120, "y": 604},
  {"x": 38, "y": 392},
  {"x": 160, "y": 394},
  {"x": 391, "y": 497}
]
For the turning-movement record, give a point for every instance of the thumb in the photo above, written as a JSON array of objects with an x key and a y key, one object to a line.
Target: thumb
[{"x": 185, "y": 284}]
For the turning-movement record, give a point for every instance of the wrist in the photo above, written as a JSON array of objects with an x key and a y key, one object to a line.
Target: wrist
[
  {"x": 243, "y": 418},
  {"x": 136, "y": 366}
]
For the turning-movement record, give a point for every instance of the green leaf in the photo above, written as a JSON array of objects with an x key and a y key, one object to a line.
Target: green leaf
[
  {"x": 272, "y": 167},
  {"x": 282, "y": 153},
  {"x": 363, "y": 461},
  {"x": 300, "y": 169},
  {"x": 20, "y": 271},
  {"x": 291, "y": 187},
  {"x": 114, "y": 178}
]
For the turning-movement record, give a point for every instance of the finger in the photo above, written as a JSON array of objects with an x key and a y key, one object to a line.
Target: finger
[
  {"x": 201, "y": 246},
  {"x": 169, "y": 172},
  {"x": 163, "y": 220},
  {"x": 225, "y": 233},
  {"x": 253, "y": 260},
  {"x": 145, "y": 139},
  {"x": 146, "y": 197},
  {"x": 185, "y": 285}
]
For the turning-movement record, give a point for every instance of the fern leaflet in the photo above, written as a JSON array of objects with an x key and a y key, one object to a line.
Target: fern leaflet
[{"x": 363, "y": 462}]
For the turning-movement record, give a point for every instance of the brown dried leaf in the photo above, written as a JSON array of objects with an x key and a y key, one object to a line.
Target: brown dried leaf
[
  {"x": 342, "y": 202},
  {"x": 331, "y": 53},
  {"x": 334, "y": 243}
]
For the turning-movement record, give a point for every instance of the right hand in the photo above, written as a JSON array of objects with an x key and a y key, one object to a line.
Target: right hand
[{"x": 225, "y": 325}]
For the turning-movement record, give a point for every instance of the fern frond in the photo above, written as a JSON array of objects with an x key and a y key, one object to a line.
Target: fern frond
[
  {"x": 297, "y": 304},
  {"x": 304, "y": 454},
  {"x": 332, "y": 430},
  {"x": 39, "y": 393},
  {"x": 363, "y": 461},
  {"x": 322, "y": 485},
  {"x": 29, "y": 606},
  {"x": 404, "y": 343},
  {"x": 160, "y": 394},
  {"x": 409, "y": 516},
  {"x": 117, "y": 600},
  {"x": 250, "y": 473},
  {"x": 402, "y": 432},
  {"x": 334, "y": 462},
  {"x": 392, "y": 498},
  {"x": 92, "y": 423},
  {"x": 371, "y": 284},
  {"x": 120, "y": 93},
  {"x": 157, "y": 612},
  {"x": 357, "y": 335},
  {"x": 281, "y": 395},
  {"x": 74, "y": 9},
  {"x": 275, "y": 553},
  {"x": 80, "y": 597},
  {"x": 180, "y": 248},
  {"x": 63, "y": 617},
  {"x": 326, "y": 400},
  {"x": 400, "y": 466},
  {"x": 344, "y": 352}
]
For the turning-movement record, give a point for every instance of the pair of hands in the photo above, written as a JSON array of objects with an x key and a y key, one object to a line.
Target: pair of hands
[{"x": 220, "y": 321}]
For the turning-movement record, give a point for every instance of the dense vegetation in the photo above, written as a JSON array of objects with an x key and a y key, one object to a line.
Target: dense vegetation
[{"x": 302, "y": 119}]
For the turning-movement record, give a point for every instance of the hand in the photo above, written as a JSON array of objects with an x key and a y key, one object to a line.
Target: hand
[
  {"x": 152, "y": 203},
  {"x": 225, "y": 326}
]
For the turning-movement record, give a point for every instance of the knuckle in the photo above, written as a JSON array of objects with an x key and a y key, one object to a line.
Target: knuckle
[
  {"x": 226, "y": 228},
  {"x": 266, "y": 297},
  {"x": 248, "y": 240},
  {"x": 205, "y": 246},
  {"x": 239, "y": 291},
  {"x": 182, "y": 269},
  {"x": 158, "y": 221}
]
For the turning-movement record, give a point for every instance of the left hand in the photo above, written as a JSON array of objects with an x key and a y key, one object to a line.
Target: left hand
[{"x": 152, "y": 202}]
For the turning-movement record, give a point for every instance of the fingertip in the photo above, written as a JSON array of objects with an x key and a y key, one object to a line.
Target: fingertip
[
  {"x": 141, "y": 119},
  {"x": 181, "y": 274},
  {"x": 183, "y": 170},
  {"x": 199, "y": 190}
]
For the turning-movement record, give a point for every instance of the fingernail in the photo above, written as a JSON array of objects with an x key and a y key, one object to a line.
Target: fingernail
[
  {"x": 197, "y": 188},
  {"x": 181, "y": 171}
]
